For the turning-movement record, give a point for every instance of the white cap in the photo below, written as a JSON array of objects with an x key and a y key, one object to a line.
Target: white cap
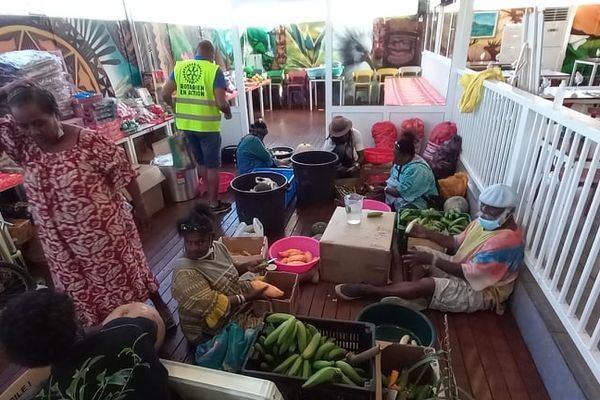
[{"x": 499, "y": 195}]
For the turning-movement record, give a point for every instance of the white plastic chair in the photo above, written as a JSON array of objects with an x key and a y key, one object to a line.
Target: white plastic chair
[{"x": 410, "y": 71}]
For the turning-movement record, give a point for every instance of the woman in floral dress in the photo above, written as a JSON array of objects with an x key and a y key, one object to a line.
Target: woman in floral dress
[{"x": 73, "y": 180}]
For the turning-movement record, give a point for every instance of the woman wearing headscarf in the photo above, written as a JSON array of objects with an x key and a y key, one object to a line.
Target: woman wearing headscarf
[{"x": 252, "y": 153}]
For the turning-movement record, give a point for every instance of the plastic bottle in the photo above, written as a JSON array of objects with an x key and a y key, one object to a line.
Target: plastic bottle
[{"x": 559, "y": 97}]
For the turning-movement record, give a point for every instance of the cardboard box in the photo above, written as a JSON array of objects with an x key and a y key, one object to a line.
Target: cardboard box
[
  {"x": 246, "y": 249},
  {"x": 28, "y": 385},
  {"x": 286, "y": 281},
  {"x": 150, "y": 179},
  {"x": 21, "y": 231},
  {"x": 161, "y": 147},
  {"x": 413, "y": 242},
  {"x": 398, "y": 356},
  {"x": 357, "y": 253}
]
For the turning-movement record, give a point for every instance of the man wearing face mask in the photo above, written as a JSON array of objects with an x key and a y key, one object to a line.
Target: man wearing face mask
[
  {"x": 346, "y": 142},
  {"x": 479, "y": 275}
]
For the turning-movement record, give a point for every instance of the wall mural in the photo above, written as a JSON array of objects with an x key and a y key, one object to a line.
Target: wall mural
[
  {"x": 98, "y": 54},
  {"x": 486, "y": 49},
  {"x": 584, "y": 40}
]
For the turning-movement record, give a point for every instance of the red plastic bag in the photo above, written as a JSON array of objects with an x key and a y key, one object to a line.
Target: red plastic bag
[
  {"x": 384, "y": 134},
  {"x": 414, "y": 124},
  {"x": 443, "y": 132}
]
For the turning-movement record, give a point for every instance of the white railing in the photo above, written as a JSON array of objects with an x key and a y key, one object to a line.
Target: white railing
[{"x": 552, "y": 158}]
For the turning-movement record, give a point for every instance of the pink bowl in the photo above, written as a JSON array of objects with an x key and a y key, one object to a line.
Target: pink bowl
[
  {"x": 303, "y": 243},
  {"x": 225, "y": 179},
  {"x": 374, "y": 205}
]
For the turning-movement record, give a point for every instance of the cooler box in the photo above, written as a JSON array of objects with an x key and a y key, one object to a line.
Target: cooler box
[
  {"x": 192, "y": 382},
  {"x": 357, "y": 253},
  {"x": 291, "y": 180}
]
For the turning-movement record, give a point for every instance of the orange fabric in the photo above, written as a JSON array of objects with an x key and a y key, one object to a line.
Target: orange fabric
[{"x": 455, "y": 185}]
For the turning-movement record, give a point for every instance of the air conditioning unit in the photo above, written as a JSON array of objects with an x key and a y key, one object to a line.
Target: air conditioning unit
[{"x": 555, "y": 29}]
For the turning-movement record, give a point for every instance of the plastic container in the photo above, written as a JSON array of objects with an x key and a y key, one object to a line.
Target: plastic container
[
  {"x": 374, "y": 205},
  {"x": 193, "y": 382},
  {"x": 225, "y": 179},
  {"x": 182, "y": 183},
  {"x": 288, "y": 152},
  {"x": 352, "y": 336},
  {"x": 392, "y": 321},
  {"x": 268, "y": 206},
  {"x": 378, "y": 156},
  {"x": 315, "y": 173},
  {"x": 228, "y": 154},
  {"x": 290, "y": 193},
  {"x": 303, "y": 243}
]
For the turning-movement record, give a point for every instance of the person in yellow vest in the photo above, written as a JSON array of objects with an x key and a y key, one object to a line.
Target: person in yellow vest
[{"x": 199, "y": 85}]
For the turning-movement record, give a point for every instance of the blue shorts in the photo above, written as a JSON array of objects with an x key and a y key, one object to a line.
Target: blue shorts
[{"x": 206, "y": 147}]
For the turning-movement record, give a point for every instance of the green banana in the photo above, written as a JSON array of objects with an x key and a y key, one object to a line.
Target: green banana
[
  {"x": 324, "y": 375},
  {"x": 287, "y": 332},
  {"x": 259, "y": 348},
  {"x": 332, "y": 340},
  {"x": 288, "y": 339},
  {"x": 295, "y": 368},
  {"x": 273, "y": 336},
  {"x": 269, "y": 358},
  {"x": 278, "y": 318},
  {"x": 310, "y": 350},
  {"x": 320, "y": 364},
  {"x": 324, "y": 349},
  {"x": 336, "y": 354},
  {"x": 286, "y": 364},
  {"x": 345, "y": 380},
  {"x": 306, "y": 370},
  {"x": 323, "y": 339},
  {"x": 311, "y": 328},
  {"x": 269, "y": 329},
  {"x": 301, "y": 335},
  {"x": 350, "y": 372},
  {"x": 292, "y": 348},
  {"x": 261, "y": 340}
]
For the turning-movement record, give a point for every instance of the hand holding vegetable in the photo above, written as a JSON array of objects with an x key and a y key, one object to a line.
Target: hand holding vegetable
[{"x": 255, "y": 293}]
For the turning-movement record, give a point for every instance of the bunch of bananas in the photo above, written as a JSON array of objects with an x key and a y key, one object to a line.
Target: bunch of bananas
[
  {"x": 289, "y": 346},
  {"x": 452, "y": 221}
]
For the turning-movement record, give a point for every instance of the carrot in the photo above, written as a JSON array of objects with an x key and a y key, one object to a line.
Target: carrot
[
  {"x": 290, "y": 252},
  {"x": 284, "y": 260},
  {"x": 308, "y": 256},
  {"x": 299, "y": 257}
]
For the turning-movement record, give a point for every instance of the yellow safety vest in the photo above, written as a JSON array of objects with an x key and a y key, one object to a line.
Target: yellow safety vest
[{"x": 195, "y": 107}]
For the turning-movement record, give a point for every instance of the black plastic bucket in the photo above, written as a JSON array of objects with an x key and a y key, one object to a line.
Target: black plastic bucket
[
  {"x": 268, "y": 206},
  {"x": 315, "y": 173}
]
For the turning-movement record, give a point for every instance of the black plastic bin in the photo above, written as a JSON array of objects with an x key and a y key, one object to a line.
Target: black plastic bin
[
  {"x": 315, "y": 173},
  {"x": 268, "y": 206},
  {"x": 354, "y": 336}
]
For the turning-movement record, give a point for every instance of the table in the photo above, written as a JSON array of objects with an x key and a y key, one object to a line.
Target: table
[
  {"x": 410, "y": 91},
  {"x": 141, "y": 131},
  {"x": 576, "y": 94},
  {"x": 594, "y": 62},
  {"x": 250, "y": 87},
  {"x": 317, "y": 80}
]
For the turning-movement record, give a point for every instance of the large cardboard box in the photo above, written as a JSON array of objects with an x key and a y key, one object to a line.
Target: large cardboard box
[
  {"x": 150, "y": 180},
  {"x": 357, "y": 253},
  {"x": 246, "y": 248}
]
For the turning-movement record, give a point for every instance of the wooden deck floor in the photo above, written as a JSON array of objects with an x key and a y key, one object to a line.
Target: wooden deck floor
[{"x": 490, "y": 358}]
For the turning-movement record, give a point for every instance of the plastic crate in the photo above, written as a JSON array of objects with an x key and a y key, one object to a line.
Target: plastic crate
[
  {"x": 401, "y": 230},
  {"x": 316, "y": 73},
  {"x": 290, "y": 193},
  {"x": 353, "y": 336}
]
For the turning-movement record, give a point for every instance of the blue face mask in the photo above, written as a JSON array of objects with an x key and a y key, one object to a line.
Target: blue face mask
[{"x": 493, "y": 224}]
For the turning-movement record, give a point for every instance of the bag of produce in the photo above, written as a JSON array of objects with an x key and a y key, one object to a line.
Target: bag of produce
[
  {"x": 454, "y": 185},
  {"x": 384, "y": 134},
  {"x": 227, "y": 350}
]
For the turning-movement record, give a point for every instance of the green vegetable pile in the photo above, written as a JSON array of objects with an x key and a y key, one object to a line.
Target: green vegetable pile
[
  {"x": 290, "y": 347},
  {"x": 452, "y": 221},
  {"x": 408, "y": 383}
]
